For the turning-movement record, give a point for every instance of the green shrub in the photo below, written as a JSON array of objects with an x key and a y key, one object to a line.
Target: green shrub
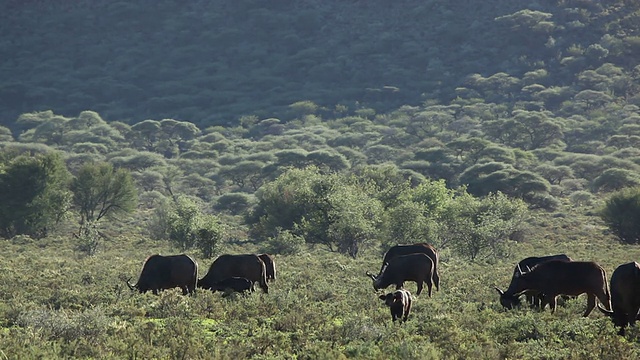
[
  {"x": 68, "y": 325},
  {"x": 285, "y": 242},
  {"x": 621, "y": 213}
]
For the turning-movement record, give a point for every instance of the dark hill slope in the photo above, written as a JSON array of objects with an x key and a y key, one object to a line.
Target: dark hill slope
[{"x": 210, "y": 62}]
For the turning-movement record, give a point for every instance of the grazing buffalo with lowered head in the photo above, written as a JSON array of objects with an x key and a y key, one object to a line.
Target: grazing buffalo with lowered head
[
  {"x": 270, "y": 265},
  {"x": 167, "y": 272},
  {"x": 557, "y": 277},
  {"x": 412, "y": 267},
  {"x": 399, "y": 302},
  {"x": 233, "y": 284},
  {"x": 248, "y": 266},
  {"x": 625, "y": 295},
  {"x": 533, "y": 298},
  {"x": 418, "y": 248}
]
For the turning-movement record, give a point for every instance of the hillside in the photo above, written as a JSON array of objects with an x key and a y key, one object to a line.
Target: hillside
[
  {"x": 321, "y": 132},
  {"x": 212, "y": 62}
]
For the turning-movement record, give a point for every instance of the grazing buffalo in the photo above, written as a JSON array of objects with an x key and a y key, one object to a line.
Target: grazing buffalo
[
  {"x": 418, "y": 248},
  {"x": 556, "y": 277},
  {"x": 625, "y": 295},
  {"x": 167, "y": 272},
  {"x": 248, "y": 266},
  {"x": 270, "y": 265},
  {"x": 412, "y": 267},
  {"x": 399, "y": 302},
  {"x": 533, "y": 298},
  {"x": 236, "y": 284}
]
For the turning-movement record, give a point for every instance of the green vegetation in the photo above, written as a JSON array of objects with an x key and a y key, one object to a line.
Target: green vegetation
[
  {"x": 57, "y": 303},
  {"x": 214, "y": 62},
  {"x": 621, "y": 212},
  {"x": 323, "y": 134}
]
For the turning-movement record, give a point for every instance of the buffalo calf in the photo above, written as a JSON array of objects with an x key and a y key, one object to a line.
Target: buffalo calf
[
  {"x": 399, "y": 302},
  {"x": 235, "y": 284}
]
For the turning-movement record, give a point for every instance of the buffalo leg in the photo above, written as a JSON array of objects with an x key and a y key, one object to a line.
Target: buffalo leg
[
  {"x": 632, "y": 317},
  {"x": 419, "y": 282},
  {"x": 407, "y": 310},
  {"x": 543, "y": 302},
  {"x": 429, "y": 286},
  {"x": 552, "y": 301},
  {"x": 591, "y": 304},
  {"x": 436, "y": 280}
]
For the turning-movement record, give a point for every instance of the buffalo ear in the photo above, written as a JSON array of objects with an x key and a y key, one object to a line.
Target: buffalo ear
[
  {"x": 382, "y": 297},
  {"x": 499, "y": 291}
]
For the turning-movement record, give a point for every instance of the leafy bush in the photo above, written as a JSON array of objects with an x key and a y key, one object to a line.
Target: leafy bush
[
  {"x": 35, "y": 195},
  {"x": 581, "y": 197},
  {"x": 184, "y": 225},
  {"x": 68, "y": 325},
  {"x": 285, "y": 242},
  {"x": 621, "y": 213},
  {"x": 480, "y": 226}
]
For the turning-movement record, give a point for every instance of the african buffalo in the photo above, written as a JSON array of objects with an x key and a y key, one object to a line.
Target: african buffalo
[
  {"x": 625, "y": 295},
  {"x": 270, "y": 265},
  {"x": 236, "y": 284},
  {"x": 533, "y": 298},
  {"x": 417, "y": 248},
  {"x": 399, "y": 302},
  {"x": 248, "y": 266},
  {"x": 167, "y": 272},
  {"x": 556, "y": 277},
  {"x": 412, "y": 267}
]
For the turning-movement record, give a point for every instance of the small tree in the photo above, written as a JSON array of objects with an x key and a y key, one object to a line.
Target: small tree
[
  {"x": 621, "y": 213},
  {"x": 184, "y": 225},
  {"x": 475, "y": 227},
  {"x": 100, "y": 191},
  {"x": 35, "y": 194}
]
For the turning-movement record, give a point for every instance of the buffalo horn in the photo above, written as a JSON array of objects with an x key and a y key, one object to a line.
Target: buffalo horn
[
  {"x": 520, "y": 272},
  {"x": 499, "y": 291},
  {"x": 373, "y": 277},
  {"x": 605, "y": 311},
  {"x": 132, "y": 287}
]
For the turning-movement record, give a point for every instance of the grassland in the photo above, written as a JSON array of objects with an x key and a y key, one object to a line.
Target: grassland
[{"x": 59, "y": 303}]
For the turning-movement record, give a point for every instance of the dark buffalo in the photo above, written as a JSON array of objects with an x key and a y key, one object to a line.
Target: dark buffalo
[
  {"x": 235, "y": 284},
  {"x": 412, "y": 267},
  {"x": 625, "y": 295},
  {"x": 533, "y": 298},
  {"x": 399, "y": 302},
  {"x": 248, "y": 266},
  {"x": 270, "y": 265},
  {"x": 556, "y": 277},
  {"x": 418, "y": 248},
  {"x": 167, "y": 272}
]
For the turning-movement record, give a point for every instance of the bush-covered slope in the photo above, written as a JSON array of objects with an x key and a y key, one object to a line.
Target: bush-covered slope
[{"x": 211, "y": 62}]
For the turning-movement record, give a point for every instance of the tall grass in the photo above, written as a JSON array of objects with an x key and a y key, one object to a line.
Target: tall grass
[{"x": 58, "y": 303}]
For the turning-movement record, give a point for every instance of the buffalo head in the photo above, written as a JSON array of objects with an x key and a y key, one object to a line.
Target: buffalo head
[
  {"x": 377, "y": 278},
  {"x": 508, "y": 301},
  {"x": 132, "y": 287}
]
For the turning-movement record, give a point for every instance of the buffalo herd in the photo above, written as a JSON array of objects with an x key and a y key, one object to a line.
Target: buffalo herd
[
  {"x": 540, "y": 279},
  {"x": 229, "y": 273}
]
